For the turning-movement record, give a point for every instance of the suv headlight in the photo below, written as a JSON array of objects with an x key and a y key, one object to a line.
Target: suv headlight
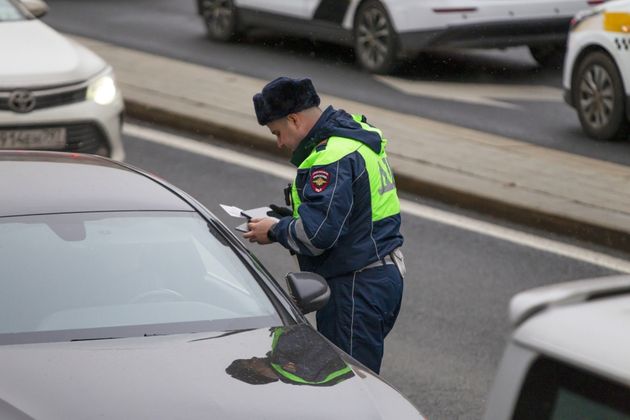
[{"x": 102, "y": 89}]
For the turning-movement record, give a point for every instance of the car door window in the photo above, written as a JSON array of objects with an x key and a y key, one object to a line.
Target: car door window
[{"x": 557, "y": 391}]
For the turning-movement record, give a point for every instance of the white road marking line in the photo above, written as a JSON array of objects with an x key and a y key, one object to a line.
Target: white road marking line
[
  {"x": 215, "y": 152},
  {"x": 515, "y": 236},
  {"x": 409, "y": 207}
]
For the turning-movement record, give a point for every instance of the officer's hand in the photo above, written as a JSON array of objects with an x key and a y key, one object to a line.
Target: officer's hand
[
  {"x": 279, "y": 212},
  {"x": 258, "y": 229}
]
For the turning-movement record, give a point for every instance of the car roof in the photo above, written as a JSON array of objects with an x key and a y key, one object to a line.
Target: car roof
[
  {"x": 586, "y": 328},
  {"x": 52, "y": 182}
]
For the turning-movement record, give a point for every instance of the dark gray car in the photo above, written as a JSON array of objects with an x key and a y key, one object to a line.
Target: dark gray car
[{"x": 123, "y": 297}]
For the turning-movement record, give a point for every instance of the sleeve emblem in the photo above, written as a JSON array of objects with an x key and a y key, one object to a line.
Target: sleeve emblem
[{"x": 320, "y": 180}]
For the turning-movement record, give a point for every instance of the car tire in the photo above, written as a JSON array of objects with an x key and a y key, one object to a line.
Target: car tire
[
  {"x": 598, "y": 97},
  {"x": 375, "y": 40},
  {"x": 548, "y": 56},
  {"x": 220, "y": 18}
]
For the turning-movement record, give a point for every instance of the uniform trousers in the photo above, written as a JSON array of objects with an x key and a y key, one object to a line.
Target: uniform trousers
[{"x": 362, "y": 309}]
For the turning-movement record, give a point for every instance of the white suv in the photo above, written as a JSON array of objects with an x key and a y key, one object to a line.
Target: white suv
[
  {"x": 597, "y": 70},
  {"x": 569, "y": 354},
  {"x": 383, "y": 31},
  {"x": 54, "y": 93}
]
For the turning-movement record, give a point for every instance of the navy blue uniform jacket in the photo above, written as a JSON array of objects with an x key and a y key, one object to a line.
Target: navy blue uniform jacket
[{"x": 335, "y": 234}]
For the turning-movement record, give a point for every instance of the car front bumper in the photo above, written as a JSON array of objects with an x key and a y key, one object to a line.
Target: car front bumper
[{"x": 90, "y": 127}]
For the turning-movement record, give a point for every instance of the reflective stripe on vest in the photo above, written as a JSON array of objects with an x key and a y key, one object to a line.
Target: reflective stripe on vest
[{"x": 384, "y": 199}]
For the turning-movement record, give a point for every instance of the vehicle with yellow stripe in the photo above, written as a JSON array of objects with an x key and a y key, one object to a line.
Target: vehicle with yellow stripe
[
  {"x": 384, "y": 32},
  {"x": 597, "y": 70}
]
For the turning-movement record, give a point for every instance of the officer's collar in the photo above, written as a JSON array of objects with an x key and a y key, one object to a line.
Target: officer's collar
[{"x": 312, "y": 139}]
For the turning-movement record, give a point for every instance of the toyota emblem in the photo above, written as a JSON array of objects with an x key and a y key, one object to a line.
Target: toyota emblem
[{"x": 22, "y": 101}]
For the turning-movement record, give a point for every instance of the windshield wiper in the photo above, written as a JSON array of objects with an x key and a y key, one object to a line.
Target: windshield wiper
[
  {"x": 225, "y": 334},
  {"x": 95, "y": 338}
]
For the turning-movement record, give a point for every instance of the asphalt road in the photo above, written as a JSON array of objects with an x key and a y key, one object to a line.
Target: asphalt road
[
  {"x": 452, "y": 328},
  {"x": 171, "y": 28}
]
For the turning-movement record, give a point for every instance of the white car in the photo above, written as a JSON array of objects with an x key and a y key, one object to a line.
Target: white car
[
  {"x": 567, "y": 357},
  {"x": 383, "y": 31},
  {"x": 597, "y": 70},
  {"x": 54, "y": 93}
]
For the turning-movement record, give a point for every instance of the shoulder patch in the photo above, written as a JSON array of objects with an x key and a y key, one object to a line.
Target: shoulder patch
[{"x": 320, "y": 180}]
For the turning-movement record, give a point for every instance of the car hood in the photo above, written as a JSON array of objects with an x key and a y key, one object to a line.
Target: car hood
[
  {"x": 35, "y": 55},
  {"x": 184, "y": 376}
]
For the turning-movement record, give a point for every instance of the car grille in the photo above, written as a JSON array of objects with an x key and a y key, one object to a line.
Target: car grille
[
  {"x": 48, "y": 100},
  {"x": 84, "y": 138},
  {"x": 80, "y": 137}
]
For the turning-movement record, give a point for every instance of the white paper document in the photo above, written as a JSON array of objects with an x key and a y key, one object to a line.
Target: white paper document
[
  {"x": 232, "y": 210},
  {"x": 257, "y": 213}
]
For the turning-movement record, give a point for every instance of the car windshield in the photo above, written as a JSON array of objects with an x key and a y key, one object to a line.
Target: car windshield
[
  {"x": 98, "y": 275},
  {"x": 8, "y": 12}
]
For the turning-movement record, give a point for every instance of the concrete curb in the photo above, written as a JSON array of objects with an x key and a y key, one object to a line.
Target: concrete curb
[
  {"x": 224, "y": 132},
  {"x": 562, "y": 225}
]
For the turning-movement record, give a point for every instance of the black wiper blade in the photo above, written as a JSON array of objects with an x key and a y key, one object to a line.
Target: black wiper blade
[
  {"x": 95, "y": 338},
  {"x": 225, "y": 334},
  {"x": 156, "y": 334},
  {"x": 114, "y": 338}
]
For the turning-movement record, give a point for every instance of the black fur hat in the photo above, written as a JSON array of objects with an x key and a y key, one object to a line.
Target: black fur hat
[{"x": 284, "y": 96}]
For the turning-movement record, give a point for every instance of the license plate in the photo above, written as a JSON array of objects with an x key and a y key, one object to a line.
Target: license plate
[{"x": 42, "y": 138}]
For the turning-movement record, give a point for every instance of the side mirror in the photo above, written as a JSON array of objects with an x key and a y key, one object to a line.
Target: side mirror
[
  {"x": 37, "y": 8},
  {"x": 309, "y": 291}
]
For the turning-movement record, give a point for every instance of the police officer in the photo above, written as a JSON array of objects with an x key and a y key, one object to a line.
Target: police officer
[{"x": 345, "y": 222}]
